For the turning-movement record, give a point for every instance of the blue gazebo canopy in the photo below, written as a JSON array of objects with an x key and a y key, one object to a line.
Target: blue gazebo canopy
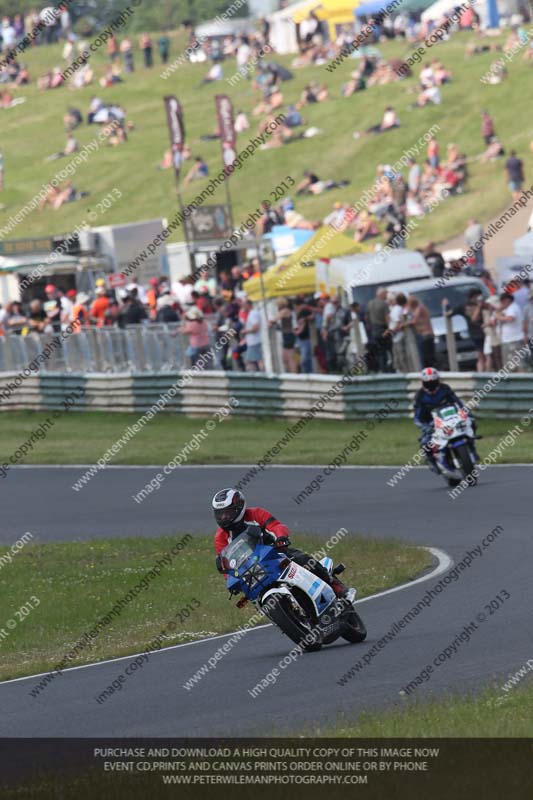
[{"x": 370, "y": 8}]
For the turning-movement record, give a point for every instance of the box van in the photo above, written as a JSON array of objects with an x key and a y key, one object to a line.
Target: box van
[
  {"x": 360, "y": 276},
  {"x": 456, "y": 290}
]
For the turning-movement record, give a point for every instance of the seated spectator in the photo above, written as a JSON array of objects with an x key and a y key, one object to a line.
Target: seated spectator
[
  {"x": 313, "y": 93},
  {"x": 71, "y": 147},
  {"x": 494, "y": 150},
  {"x": 214, "y": 74},
  {"x": 428, "y": 96},
  {"x": 241, "y": 122},
  {"x": 441, "y": 74},
  {"x": 198, "y": 170},
  {"x": 82, "y": 77},
  {"x": 389, "y": 122},
  {"x": 111, "y": 76},
  {"x": 72, "y": 119},
  {"x": 365, "y": 227},
  {"x": 272, "y": 99},
  {"x": 357, "y": 83},
  {"x": 311, "y": 184},
  {"x": 94, "y": 106}
]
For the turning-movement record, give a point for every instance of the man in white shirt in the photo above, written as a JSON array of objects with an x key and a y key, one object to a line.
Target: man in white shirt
[
  {"x": 397, "y": 318},
  {"x": 182, "y": 291},
  {"x": 252, "y": 334},
  {"x": 521, "y": 294},
  {"x": 510, "y": 318}
]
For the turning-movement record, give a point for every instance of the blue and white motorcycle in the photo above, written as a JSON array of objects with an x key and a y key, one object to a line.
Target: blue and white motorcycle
[
  {"x": 453, "y": 443},
  {"x": 303, "y": 606}
]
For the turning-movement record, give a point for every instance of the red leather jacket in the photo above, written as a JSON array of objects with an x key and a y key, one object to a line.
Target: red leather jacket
[{"x": 261, "y": 517}]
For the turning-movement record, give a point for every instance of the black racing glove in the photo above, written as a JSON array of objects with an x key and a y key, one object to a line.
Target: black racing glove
[
  {"x": 218, "y": 563},
  {"x": 282, "y": 541}
]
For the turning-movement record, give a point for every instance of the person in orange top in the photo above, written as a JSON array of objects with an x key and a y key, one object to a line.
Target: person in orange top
[
  {"x": 151, "y": 296},
  {"x": 80, "y": 313},
  {"x": 99, "y": 307}
]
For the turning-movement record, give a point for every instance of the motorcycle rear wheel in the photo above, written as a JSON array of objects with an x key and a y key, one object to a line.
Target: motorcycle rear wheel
[{"x": 283, "y": 615}]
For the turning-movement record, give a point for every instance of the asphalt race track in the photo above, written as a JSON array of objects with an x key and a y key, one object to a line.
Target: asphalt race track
[{"x": 153, "y": 701}]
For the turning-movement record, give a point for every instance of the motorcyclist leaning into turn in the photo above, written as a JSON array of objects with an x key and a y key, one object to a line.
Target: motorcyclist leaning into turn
[
  {"x": 433, "y": 394},
  {"x": 233, "y": 516}
]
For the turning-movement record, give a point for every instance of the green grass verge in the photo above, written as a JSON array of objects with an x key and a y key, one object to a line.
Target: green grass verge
[
  {"x": 148, "y": 194},
  {"x": 84, "y": 438},
  {"x": 452, "y": 716},
  {"x": 78, "y": 584}
]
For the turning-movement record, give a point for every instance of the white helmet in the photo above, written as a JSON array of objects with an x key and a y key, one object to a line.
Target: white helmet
[
  {"x": 229, "y": 506},
  {"x": 430, "y": 379}
]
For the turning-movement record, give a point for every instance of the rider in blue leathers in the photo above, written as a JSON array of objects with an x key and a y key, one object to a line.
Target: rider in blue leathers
[{"x": 431, "y": 395}]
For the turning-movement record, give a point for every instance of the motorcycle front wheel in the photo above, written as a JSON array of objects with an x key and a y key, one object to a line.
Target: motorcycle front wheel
[
  {"x": 467, "y": 466},
  {"x": 353, "y": 628},
  {"x": 283, "y": 615}
]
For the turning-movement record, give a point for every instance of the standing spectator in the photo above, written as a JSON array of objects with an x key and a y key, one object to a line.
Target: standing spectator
[
  {"x": 515, "y": 173},
  {"x": 132, "y": 312},
  {"x": 487, "y": 127},
  {"x": 413, "y": 178},
  {"x": 18, "y": 24},
  {"x": 252, "y": 334},
  {"x": 528, "y": 326},
  {"x": 145, "y": 43},
  {"x": 435, "y": 260},
  {"x": 474, "y": 318},
  {"x": 99, "y": 307},
  {"x": 473, "y": 239},
  {"x": 288, "y": 337},
  {"x": 163, "y": 45},
  {"x": 433, "y": 152},
  {"x": 166, "y": 311},
  {"x": 425, "y": 336},
  {"x": 65, "y": 21},
  {"x": 38, "y": 319},
  {"x": 378, "y": 320},
  {"x": 491, "y": 328},
  {"x": 112, "y": 48},
  {"x": 15, "y": 320},
  {"x": 397, "y": 319},
  {"x": 304, "y": 315},
  {"x": 511, "y": 326},
  {"x": 8, "y": 34},
  {"x": 126, "y": 49},
  {"x": 520, "y": 291}
]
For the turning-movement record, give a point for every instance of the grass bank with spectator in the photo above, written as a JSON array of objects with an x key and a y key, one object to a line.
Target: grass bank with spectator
[
  {"x": 334, "y": 153},
  {"x": 78, "y": 583},
  {"x": 84, "y": 438}
]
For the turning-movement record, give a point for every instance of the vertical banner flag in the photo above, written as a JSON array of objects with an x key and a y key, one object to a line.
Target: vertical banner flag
[
  {"x": 176, "y": 131},
  {"x": 226, "y": 128}
]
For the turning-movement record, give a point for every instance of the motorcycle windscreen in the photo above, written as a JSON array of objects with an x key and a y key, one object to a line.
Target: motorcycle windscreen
[{"x": 238, "y": 551}]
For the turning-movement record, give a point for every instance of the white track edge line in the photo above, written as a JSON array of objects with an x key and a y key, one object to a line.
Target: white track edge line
[
  {"x": 445, "y": 562},
  {"x": 235, "y": 466}
]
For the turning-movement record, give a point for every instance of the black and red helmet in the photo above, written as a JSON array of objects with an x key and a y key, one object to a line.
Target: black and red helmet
[
  {"x": 430, "y": 379},
  {"x": 229, "y": 506}
]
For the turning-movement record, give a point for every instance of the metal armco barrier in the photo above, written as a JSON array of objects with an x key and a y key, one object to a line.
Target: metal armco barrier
[{"x": 279, "y": 396}]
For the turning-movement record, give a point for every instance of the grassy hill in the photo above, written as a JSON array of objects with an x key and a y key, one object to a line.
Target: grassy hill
[{"x": 34, "y": 130}]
